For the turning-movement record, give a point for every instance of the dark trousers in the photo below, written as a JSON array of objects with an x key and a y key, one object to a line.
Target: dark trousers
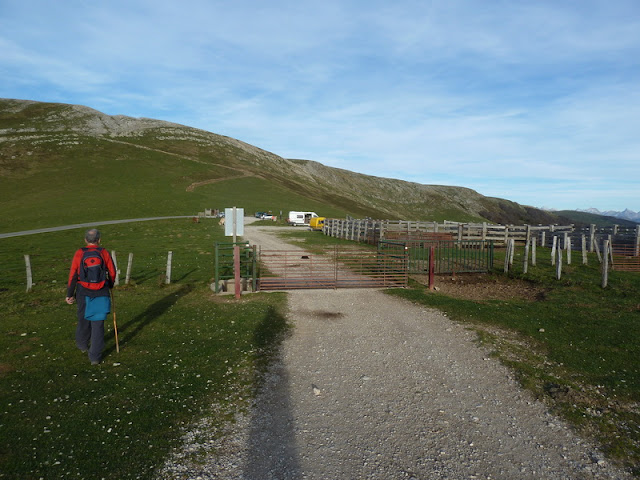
[{"x": 89, "y": 333}]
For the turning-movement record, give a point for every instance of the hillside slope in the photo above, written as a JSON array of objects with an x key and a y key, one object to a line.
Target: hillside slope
[{"x": 63, "y": 162}]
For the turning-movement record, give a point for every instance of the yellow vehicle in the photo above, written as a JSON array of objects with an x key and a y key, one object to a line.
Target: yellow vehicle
[{"x": 316, "y": 223}]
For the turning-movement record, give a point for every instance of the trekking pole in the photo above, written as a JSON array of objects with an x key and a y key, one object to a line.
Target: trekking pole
[{"x": 115, "y": 326}]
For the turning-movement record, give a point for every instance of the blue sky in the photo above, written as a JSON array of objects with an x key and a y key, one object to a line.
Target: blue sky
[{"x": 534, "y": 101}]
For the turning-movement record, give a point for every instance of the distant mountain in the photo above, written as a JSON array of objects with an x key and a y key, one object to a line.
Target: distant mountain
[
  {"x": 64, "y": 164},
  {"x": 584, "y": 219},
  {"x": 625, "y": 214}
]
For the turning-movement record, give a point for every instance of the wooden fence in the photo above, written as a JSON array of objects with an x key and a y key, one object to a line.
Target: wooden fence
[{"x": 372, "y": 231}]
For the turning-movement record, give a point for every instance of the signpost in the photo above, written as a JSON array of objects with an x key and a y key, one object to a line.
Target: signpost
[{"x": 234, "y": 226}]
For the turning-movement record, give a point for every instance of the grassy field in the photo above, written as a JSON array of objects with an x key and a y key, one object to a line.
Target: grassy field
[
  {"x": 181, "y": 350},
  {"x": 576, "y": 346}
]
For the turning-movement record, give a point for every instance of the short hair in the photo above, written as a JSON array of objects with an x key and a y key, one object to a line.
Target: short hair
[{"x": 92, "y": 235}]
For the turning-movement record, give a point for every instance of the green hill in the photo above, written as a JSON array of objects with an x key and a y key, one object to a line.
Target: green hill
[{"x": 70, "y": 164}]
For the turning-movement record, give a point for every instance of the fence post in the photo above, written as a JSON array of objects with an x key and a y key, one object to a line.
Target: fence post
[
  {"x": 605, "y": 264},
  {"x": 554, "y": 246},
  {"x": 568, "y": 249},
  {"x": 559, "y": 262},
  {"x": 116, "y": 281},
  {"x": 543, "y": 240},
  {"x": 507, "y": 255},
  {"x": 168, "y": 276},
  {"x": 592, "y": 237},
  {"x": 432, "y": 253},
  {"x": 610, "y": 251},
  {"x": 27, "y": 261},
  {"x": 129, "y": 263},
  {"x": 534, "y": 243},
  {"x": 584, "y": 250},
  {"x": 525, "y": 265},
  {"x": 513, "y": 249},
  {"x": 236, "y": 271}
]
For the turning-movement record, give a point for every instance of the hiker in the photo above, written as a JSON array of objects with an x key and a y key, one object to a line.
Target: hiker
[{"x": 90, "y": 279}]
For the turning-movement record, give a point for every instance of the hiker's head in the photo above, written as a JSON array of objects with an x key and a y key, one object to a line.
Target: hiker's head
[{"x": 92, "y": 236}]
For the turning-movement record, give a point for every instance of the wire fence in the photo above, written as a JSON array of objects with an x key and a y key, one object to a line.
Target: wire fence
[{"x": 33, "y": 270}]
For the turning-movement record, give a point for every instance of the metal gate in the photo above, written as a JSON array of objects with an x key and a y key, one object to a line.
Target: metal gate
[
  {"x": 451, "y": 256},
  {"x": 625, "y": 258},
  {"x": 338, "y": 267}
]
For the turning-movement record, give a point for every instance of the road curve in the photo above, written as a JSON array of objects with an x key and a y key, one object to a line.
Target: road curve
[{"x": 86, "y": 225}]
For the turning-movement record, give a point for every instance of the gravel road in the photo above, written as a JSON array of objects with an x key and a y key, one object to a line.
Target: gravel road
[{"x": 369, "y": 386}]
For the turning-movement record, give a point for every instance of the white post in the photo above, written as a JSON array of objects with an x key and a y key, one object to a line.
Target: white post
[
  {"x": 507, "y": 255},
  {"x": 611, "y": 248},
  {"x": 27, "y": 261},
  {"x": 129, "y": 263},
  {"x": 605, "y": 265},
  {"x": 168, "y": 277},
  {"x": 533, "y": 251},
  {"x": 559, "y": 263},
  {"x": 584, "y": 250},
  {"x": 568, "y": 248},
  {"x": 554, "y": 246},
  {"x": 525, "y": 266},
  {"x": 116, "y": 281},
  {"x": 513, "y": 248}
]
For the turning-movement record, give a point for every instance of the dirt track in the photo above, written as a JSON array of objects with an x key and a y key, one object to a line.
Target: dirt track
[{"x": 370, "y": 386}]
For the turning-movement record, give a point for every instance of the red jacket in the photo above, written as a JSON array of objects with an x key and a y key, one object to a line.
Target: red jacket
[{"x": 74, "y": 274}]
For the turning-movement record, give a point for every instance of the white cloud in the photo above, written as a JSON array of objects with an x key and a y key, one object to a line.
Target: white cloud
[{"x": 487, "y": 94}]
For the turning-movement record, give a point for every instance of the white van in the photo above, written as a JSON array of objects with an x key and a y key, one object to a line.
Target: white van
[{"x": 301, "y": 218}]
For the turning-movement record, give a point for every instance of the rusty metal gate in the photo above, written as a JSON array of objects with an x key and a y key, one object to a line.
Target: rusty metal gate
[
  {"x": 625, "y": 258},
  {"x": 450, "y": 256},
  {"x": 338, "y": 267}
]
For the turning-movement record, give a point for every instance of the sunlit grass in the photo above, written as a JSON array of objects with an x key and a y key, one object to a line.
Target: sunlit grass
[{"x": 182, "y": 350}]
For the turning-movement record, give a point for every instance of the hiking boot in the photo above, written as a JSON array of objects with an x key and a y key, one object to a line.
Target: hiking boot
[{"x": 95, "y": 362}]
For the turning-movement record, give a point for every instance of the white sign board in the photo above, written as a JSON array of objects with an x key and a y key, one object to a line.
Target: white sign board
[{"x": 229, "y": 222}]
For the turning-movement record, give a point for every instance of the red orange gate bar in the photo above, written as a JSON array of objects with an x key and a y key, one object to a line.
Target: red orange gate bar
[{"x": 334, "y": 268}]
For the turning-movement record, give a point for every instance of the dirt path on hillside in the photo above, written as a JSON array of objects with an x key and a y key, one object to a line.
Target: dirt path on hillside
[{"x": 369, "y": 386}]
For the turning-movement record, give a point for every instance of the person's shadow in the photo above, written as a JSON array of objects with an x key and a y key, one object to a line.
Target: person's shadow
[
  {"x": 273, "y": 452},
  {"x": 129, "y": 330}
]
